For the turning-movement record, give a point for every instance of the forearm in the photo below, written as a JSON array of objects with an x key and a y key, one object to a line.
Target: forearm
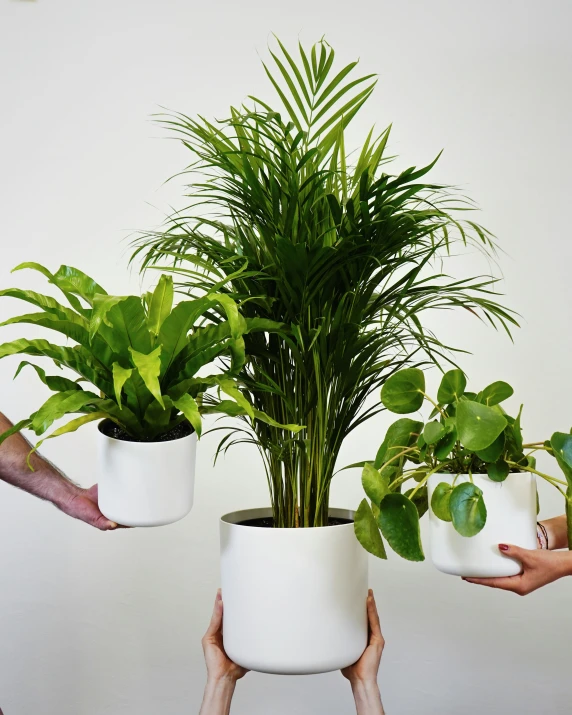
[
  {"x": 557, "y": 532},
  {"x": 367, "y": 698},
  {"x": 45, "y": 482},
  {"x": 218, "y": 697}
]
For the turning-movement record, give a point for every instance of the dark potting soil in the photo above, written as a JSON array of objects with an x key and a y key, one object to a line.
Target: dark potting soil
[
  {"x": 110, "y": 429},
  {"x": 268, "y": 522}
]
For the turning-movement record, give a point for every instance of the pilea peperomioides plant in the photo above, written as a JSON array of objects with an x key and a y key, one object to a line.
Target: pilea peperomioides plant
[
  {"x": 140, "y": 354},
  {"x": 467, "y": 433}
]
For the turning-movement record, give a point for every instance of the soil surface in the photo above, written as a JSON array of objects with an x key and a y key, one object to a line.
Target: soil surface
[
  {"x": 110, "y": 429},
  {"x": 268, "y": 522}
]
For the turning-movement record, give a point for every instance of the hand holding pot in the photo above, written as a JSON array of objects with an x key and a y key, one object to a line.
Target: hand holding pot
[
  {"x": 221, "y": 670},
  {"x": 363, "y": 674},
  {"x": 539, "y": 568}
]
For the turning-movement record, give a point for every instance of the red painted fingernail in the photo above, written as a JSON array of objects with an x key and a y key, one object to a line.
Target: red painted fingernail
[{"x": 503, "y": 547}]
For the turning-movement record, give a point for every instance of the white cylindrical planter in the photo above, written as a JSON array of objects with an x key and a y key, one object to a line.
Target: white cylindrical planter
[
  {"x": 511, "y": 519},
  {"x": 294, "y": 599},
  {"x": 146, "y": 483}
]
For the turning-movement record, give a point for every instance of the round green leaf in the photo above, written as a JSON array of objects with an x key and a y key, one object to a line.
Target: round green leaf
[
  {"x": 399, "y": 523},
  {"x": 400, "y": 434},
  {"x": 433, "y": 432},
  {"x": 403, "y": 392},
  {"x": 444, "y": 446},
  {"x": 478, "y": 425},
  {"x": 440, "y": 501},
  {"x": 561, "y": 444},
  {"x": 452, "y": 386},
  {"x": 498, "y": 471},
  {"x": 496, "y": 393},
  {"x": 367, "y": 531},
  {"x": 493, "y": 452},
  {"x": 420, "y": 499},
  {"x": 468, "y": 510},
  {"x": 375, "y": 485}
]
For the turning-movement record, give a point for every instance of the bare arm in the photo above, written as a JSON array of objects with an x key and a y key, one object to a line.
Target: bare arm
[
  {"x": 222, "y": 673},
  {"x": 557, "y": 533},
  {"x": 46, "y": 482},
  {"x": 363, "y": 674}
]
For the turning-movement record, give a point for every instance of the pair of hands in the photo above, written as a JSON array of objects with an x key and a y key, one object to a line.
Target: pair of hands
[{"x": 363, "y": 673}]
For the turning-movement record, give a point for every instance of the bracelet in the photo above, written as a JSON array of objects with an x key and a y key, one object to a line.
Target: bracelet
[{"x": 542, "y": 536}]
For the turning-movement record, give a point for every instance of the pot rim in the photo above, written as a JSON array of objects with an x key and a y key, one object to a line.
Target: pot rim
[
  {"x": 140, "y": 443},
  {"x": 233, "y": 517}
]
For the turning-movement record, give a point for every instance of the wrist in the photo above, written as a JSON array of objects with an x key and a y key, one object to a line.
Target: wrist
[
  {"x": 565, "y": 566},
  {"x": 364, "y": 688}
]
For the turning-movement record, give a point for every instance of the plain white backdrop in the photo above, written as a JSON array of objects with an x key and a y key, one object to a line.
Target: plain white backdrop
[{"x": 110, "y": 624}]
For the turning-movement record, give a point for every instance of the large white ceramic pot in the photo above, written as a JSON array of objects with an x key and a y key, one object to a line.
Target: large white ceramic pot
[
  {"x": 294, "y": 599},
  {"x": 511, "y": 519},
  {"x": 145, "y": 483}
]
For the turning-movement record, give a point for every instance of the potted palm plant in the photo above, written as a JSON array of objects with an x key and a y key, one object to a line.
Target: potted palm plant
[
  {"x": 141, "y": 356},
  {"x": 343, "y": 253}
]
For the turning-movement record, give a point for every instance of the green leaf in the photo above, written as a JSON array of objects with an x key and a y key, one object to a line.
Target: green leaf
[
  {"x": 120, "y": 377},
  {"x": 149, "y": 367},
  {"x": 263, "y": 417},
  {"x": 375, "y": 485},
  {"x": 493, "y": 452},
  {"x": 54, "y": 382},
  {"x": 561, "y": 444},
  {"x": 367, "y": 531},
  {"x": 129, "y": 323},
  {"x": 72, "y": 426},
  {"x": 478, "y": 425},
  {"x": 399, "y": 436},
  {"x": 444, "y": 446},
  {"x": 403, "y": 392},
  {"x": 468, "y": 510},
  {"x": 399, "y": 523},
  {"x": 420, "y": 498},
  {"x": 18, "y": 427},
  {"x": 190, "y": 409},
  {"x": 496, "y": 393},
  {"x": 59, "y": 405},
  {"x": 452, "y": 386},
  {"x": 231, "y": 389},
  {"x": 102, "y": 304},
  {"x": 498, "y": 471},
  {"x": 161, "y": 303},
  {"x": 433, "y": 432},
  {"x": 440, "y": 501}
]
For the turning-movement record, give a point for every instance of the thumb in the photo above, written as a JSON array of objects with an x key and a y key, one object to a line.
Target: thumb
[{"x": 515, "y": 552}]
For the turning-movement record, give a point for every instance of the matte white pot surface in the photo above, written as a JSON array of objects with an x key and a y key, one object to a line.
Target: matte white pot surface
[
  {"x": 146, "y": 483},
  {"x": 294, "y": 599},
  {"x": 511, "y": 519}
]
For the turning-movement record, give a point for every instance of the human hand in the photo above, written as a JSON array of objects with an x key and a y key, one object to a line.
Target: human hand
[
  {"x": 365, "y": 669},
  {"x": 363, "y": 673},
  {"x": 219, "y": 665},
  {"x": 82, "y": 504},
  {"x": 539, "y": 568}
]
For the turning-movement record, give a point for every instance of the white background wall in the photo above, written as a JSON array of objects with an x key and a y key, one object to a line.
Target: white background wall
[{"x": 110, "y": 624}]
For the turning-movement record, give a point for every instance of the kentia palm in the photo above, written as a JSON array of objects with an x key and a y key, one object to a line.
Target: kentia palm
[{"x": 342, "y": 254}]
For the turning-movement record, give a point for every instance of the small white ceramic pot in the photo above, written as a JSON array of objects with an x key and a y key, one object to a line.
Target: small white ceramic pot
[
  {"x": 511, "y": 519},
  {"x": 146, "y": 483},
  {"x": 294, "y": 599}
]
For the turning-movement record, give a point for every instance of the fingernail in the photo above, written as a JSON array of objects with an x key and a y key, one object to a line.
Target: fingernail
[
  {"x": 112, "y": 525},
  {"x": 503, "y": 547}
]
